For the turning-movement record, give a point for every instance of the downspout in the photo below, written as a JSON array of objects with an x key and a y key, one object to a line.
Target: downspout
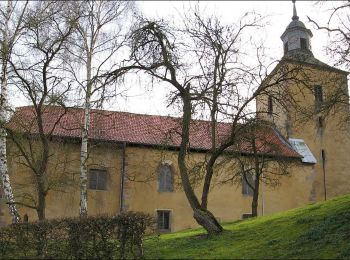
[
  {"x": 122, "y": 176},
  {"x": 323, "y": 154},
  {"x": 262, "y": 199}
]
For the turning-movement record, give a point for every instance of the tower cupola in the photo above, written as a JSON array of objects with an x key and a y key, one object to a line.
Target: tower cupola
[{"x": 296, "y": 38}]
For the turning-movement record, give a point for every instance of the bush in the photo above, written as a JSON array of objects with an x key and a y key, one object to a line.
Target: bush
[{"x": 77, "y": 238}]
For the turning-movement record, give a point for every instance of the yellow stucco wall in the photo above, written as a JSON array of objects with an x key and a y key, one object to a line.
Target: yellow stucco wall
[
  {"x": 333, "y": 138},
  {"x": 141, "y": 187},
  {"x": 63, "y": 198},
  {"x": 225, "y": 201}
]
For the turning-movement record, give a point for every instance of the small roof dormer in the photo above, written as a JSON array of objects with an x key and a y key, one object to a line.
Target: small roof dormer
[{"x": 296, "y": 38}]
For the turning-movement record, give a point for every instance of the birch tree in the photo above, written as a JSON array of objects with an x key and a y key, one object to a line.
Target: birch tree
[
  {"x": 96, "y": 48},
  {"x": 11, "y": 24}
]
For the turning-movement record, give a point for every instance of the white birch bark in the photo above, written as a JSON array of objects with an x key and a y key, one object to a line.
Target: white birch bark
[
  {"x": 95, "y": 39},
  {"x": 84, "y": 141},
  {"x": 5, "y": 178}
]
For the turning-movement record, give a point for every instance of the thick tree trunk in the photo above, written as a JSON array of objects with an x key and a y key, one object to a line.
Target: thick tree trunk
[
  {"x": 207, "y": 220},
  {"x": 203, "y": 217},
  {"x": 255, "y": 200},
  {"x": 5, "y": 178},
  {"x": 41, "y": 205}
]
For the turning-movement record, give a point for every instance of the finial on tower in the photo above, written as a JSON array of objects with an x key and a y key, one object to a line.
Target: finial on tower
[{"x": 295, "y": 16}]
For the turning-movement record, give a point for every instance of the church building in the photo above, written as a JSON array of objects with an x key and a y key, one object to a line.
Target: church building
[{"x": 132, "y": 163}]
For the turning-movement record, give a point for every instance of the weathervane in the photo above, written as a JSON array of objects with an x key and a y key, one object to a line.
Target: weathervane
[{"x": 295, "y": 16}]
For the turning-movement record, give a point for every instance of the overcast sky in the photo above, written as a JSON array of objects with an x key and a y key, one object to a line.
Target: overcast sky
[{"x": 278, "y": 14}]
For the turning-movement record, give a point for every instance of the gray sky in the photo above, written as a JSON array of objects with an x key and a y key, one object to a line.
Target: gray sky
[{"x": 278, "y": 14}]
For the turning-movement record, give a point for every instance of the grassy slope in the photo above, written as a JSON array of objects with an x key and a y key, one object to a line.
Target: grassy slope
[{"x": 321, "y": 230}]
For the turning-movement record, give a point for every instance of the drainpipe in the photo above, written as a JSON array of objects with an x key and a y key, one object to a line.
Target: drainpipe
[
  {"x": 262, "y": 198},
  {"x": 122, "y": 175},
  {"x": 323, "y": 154}
]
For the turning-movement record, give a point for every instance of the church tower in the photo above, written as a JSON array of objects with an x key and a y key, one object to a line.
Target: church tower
[
  {"x": 296, "y": 38},
  {"x": 316, "y": 123}
]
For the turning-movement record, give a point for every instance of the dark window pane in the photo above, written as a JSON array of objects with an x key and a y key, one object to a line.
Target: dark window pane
[
  {"x": 102, "y": 180},
  {"x": 318, "y": 91},
  {"x": 285, "y": 47},
  {"x": 98, "y": 179},
  {"x": 92, "y": 180},
  {"x": 270, "y": 105},
  {"x": 163, "y": 219},
  {"x": 165, "y": 178},
  {"x": 303, "y": 44},
  {"x": 320, "y": 122},
  {"x": 246, "y": 215},
  {"x": 246, "y": 189}
]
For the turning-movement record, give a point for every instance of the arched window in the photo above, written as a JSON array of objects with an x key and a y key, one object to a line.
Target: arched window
[
  {"x": 270, "y": 105},
  {"x": 246, "y": 189},
  {"x": 165, "y": 177}
]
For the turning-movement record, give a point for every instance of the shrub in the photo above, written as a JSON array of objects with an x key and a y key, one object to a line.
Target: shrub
[{"x": 99, "y": 237}]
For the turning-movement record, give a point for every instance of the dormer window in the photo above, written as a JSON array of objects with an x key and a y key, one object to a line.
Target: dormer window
[
  {"x": 303, "y": 44},
  {"x": 285, "y": 47}
]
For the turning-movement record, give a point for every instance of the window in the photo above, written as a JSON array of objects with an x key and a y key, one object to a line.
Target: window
[
  {"x": 318, "y": 97},
  {"x": 285, "y": 47},
  {"x": 303, "y": 44},
  {"x": 323, "y": 154},
  {"x": 246, "y": 189},
  {"x": 98, "y": 179},
  {"x": 320, "y": 122},
  {"x": 165, "y": 178},
  {"x": 270, "y": 105},
  {"x": 246, "y": 215},
  {"x": 163, "y": 220}
]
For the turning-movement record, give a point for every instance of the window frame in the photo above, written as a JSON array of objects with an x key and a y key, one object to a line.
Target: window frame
[
  {"x": 285, "y": 47},
  {"x": 98, "y": 173},
  {"x": 319, "y": 96},
  {"x": 246, "y": 189},
  {"x": 247, "y": 215},
  {"x": 270, "y": 105},
  {"x": 167, "y": 187},
  {"x": 303, "y": 43},
  {"x": 167, "y": 211}
]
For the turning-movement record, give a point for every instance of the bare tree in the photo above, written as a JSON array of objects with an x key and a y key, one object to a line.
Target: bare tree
[
  {"x": 338, "y": 49},
  {"x": 97, "y": 46},
  {"x": 338, "y": 29},
  {"x": 263, "y": 160},
  {"x": 11, "y": 20},
  {"x": 37, "y": 70}
]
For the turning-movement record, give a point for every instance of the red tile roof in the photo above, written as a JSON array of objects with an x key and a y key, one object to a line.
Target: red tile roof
[{"x": 148, "y": 130}]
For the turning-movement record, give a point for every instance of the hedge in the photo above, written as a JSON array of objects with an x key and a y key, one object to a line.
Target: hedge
[{"x": 101, "y": 237}]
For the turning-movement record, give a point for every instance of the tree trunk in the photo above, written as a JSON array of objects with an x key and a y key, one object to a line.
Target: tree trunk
[
  {"x": 41, "y": 205},
  {"x": 203, "y": 217},
  {"x": 255, "y": 200},
  {"x": 3, "y": 118},
  {"x": 84, "y": 142},
  {"x": 207, "y": 220}
]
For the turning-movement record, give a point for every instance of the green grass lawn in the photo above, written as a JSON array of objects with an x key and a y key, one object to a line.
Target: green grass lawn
[{"x": 321, "y": 230}]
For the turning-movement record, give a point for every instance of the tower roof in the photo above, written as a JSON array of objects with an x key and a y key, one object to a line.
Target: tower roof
[{"x": 296, "y": 24}]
